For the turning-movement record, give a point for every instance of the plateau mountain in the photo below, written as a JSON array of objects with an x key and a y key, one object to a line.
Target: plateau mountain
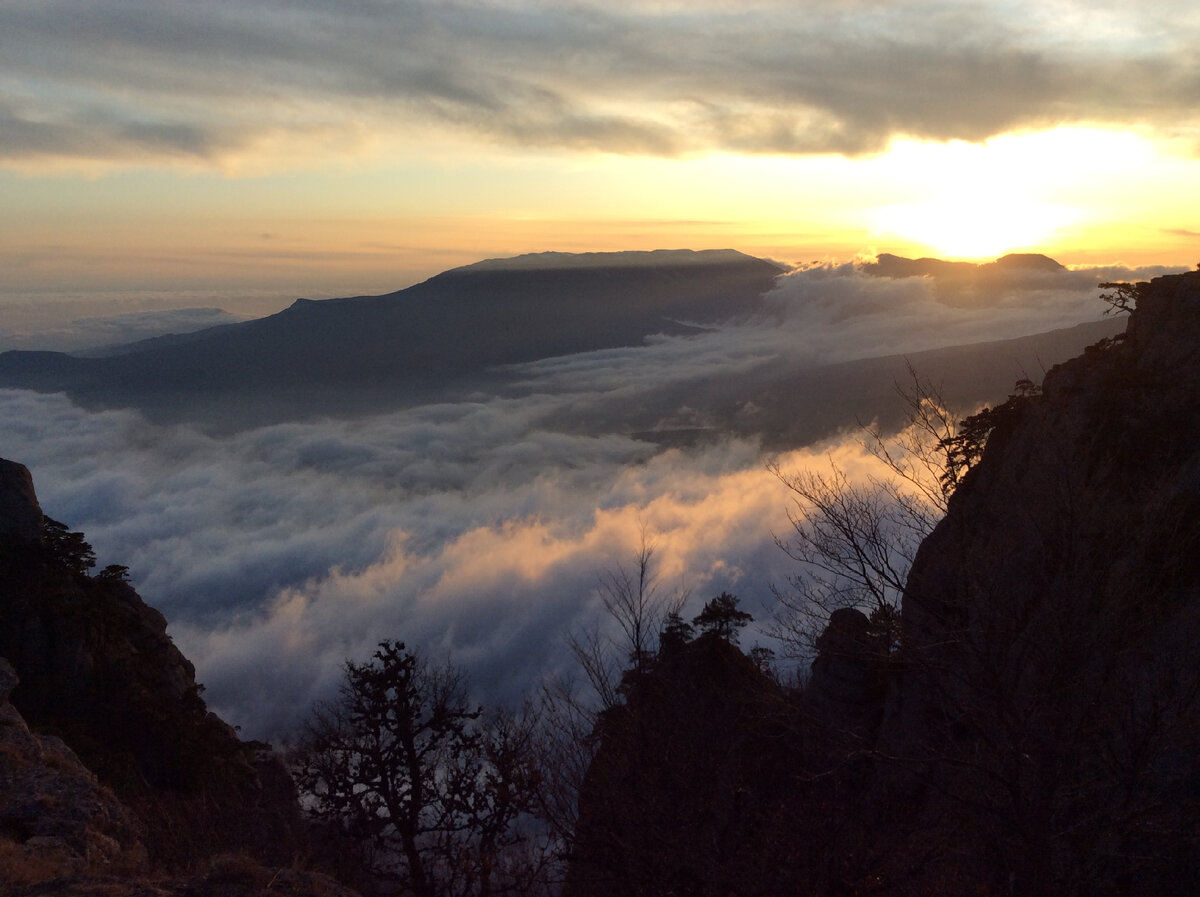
[
  {"x": 476, "y": 330},
  {"x": 441, "y": 336}
]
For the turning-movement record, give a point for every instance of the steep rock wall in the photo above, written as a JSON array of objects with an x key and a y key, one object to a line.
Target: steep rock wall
[
  {"x": 98, "y": 670},
  {"x": 1051, "y": 623}
]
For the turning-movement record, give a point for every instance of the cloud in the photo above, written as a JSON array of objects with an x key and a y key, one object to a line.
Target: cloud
[
  {"x": 214, "y": 82},
  {"x": 475, "y": 529},
  {"x": 827, "y": 314},
  {"x": 94, "y": 332},
  {"x": 468, "y": 532}
]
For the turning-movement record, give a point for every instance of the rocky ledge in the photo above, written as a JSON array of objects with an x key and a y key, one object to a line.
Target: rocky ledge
[{"x": 115, "y": 778}]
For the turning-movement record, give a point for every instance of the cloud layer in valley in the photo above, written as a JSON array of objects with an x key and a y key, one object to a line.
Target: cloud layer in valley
[
  {"x": 99, "y": 331},
  {"x": 475, "y": 530},
  {"x": 213, "y": 82}
]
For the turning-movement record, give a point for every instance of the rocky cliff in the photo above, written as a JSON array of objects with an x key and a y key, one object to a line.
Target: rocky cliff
[
  {"x": 113, "y": 765},
  {"x": 1051, "y": 623},
  {"x": 56, "y": 818},
  {"x": 1037, "y": 732},
  {"x": 20, "y": 513},
  {"x": 692, "y": 770}
]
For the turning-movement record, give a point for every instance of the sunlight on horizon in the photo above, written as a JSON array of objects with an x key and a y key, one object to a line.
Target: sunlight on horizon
[
  {"x": 975, "y": 225},
  {"x": 1010, "y": 193},
  {"x": 1079, "y": 195}
]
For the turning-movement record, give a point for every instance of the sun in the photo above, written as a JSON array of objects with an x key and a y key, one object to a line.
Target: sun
[
  {"x": 974, "y": 224},
  {"x": 979, "y": 200}
]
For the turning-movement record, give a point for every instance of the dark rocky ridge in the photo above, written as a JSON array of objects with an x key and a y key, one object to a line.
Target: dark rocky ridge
[
  {"x": 1038, "y": 730},
  {"x": 100, "y": 680},
  {"x": 1051, "y": 622}
]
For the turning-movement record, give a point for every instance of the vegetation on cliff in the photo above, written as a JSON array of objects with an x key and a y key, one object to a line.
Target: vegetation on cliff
[
  {"x": 1030, "y": 727},
  {"x": 94, "y": 671}
]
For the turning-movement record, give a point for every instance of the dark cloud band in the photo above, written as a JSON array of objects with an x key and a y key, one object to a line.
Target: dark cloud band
[{"x": 200, "y": 80}]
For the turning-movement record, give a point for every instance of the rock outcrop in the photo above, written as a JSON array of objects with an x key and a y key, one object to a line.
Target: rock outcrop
[
  {"x": 1037, "y": 732},
  {"x": 849, "y": 673},
  {"x": 127, "y": 771},
  {"x": 1050, "y": 624},
  {"x": 20, "y": 514},
  {"x": 56, "y": 819},
  {"x": 691, "y": 770}
]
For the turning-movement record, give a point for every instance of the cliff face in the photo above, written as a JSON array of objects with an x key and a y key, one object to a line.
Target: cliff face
[
  {"x": 98, "y": 674},
  {"x": 1051, "y": 623},
  {"x": 20, "y": 514},
  {"x": 1037, "y": 732},
  {"x": 1093, "y": 485}
]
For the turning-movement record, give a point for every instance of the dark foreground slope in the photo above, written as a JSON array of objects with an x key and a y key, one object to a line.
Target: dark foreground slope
[
  {"x": 1036, "y": 733},
  {"x": 1052, "y": 623},
  {"x": 112, "y": 771}
]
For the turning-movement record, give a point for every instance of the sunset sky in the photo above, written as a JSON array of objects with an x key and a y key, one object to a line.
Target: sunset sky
[{"x": 323, "y": 148}]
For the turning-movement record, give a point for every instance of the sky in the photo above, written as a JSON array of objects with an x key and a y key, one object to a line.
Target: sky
[{"x": 156, "y": 153}]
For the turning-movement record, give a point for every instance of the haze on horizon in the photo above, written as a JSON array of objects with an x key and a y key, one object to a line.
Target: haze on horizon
[{"x": 263, "y": 150}]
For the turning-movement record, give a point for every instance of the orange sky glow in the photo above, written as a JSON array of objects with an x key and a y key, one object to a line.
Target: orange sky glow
[{"x": 241, "y": 151}]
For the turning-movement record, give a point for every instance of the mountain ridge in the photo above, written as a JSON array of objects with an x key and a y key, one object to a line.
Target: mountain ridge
[
  {"x": 457, "y": 334},
  {"x": 449, "y": 330}
]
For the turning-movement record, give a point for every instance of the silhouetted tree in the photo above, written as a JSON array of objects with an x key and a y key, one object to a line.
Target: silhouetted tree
[
  {"x": 612, "y": 658},
  {"x": 114, "y": 573},
  {"x": 964, "y": 448},
  {"x": 428, "y": 790},
  {"x": 854, "y": 542},
  {"x": 637, "y": 606},
  {"x": 1121, "y": 297},
  {"x": 722, "y": 617},
  {"x": 68, "y": 547},
  {"x": 676, "y": 632}
]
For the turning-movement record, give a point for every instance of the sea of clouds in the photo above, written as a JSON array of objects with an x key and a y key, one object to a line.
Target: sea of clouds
[{"x": 476, "y": 530}]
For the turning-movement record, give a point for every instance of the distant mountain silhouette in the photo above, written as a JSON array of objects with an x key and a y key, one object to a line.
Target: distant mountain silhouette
[
  {"x": 888, "y": 265},
  {"x": 366, "y": 352},
  {"x": 451, "y": 336}
]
